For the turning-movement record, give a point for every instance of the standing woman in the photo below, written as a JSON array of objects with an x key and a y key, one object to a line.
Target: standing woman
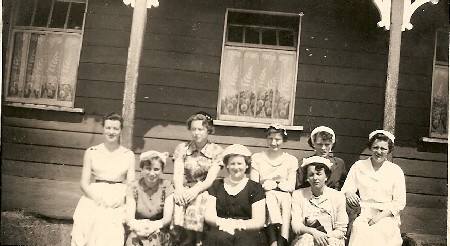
[
  {"x": 276, "y": 171},
  {"x": 149, "y": 203},
  {"x": 323, "y": 140},
  {"x": 199, "y": 161},
  {"x": 100, "y": 213},
  {"x": 318, "y": 212},
  {"x": 236, "y": 205},
  {"x": 382, "y": 194}
]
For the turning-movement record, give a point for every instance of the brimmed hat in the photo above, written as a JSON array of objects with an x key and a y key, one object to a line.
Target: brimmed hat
[
  {"x": 316, "y": 159},
  {"x": 386, "y": 133},
  {"x": 323, "y": 129},
  {"x": 236, "y": 149},
  {"x": 146, "y": 156}
]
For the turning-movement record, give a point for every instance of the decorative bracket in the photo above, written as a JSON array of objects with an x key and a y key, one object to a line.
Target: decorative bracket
[
  {"x": 384, "y": 7},
  {"x": 150, "y": 3}
]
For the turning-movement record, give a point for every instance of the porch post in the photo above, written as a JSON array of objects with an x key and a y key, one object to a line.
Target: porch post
[
  {"x": 395, "y": 39},
  {"x": 132, "y": 73}
]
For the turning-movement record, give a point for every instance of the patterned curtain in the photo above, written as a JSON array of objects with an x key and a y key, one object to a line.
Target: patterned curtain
[
  {"x": 44, "y": 68},
  {"x": 257, "y": 83}
]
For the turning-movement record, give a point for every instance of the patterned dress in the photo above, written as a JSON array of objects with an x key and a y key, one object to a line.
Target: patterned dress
[
  {"x": 327, "y": 210},
  {"x": 98, "y": 225},
  {"x": 149, "y": 205},
  {"x": 237, "y": 206},
  {"x": 196, "y": 166}
]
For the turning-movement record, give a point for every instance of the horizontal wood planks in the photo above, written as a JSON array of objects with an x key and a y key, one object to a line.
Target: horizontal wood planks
[{"x": 341, "y": 83}]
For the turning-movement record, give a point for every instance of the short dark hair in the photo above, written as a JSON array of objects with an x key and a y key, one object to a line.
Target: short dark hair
[
  {"x": 207, "y": 121},
  {"x": 270, "y": 130},
  {"x": 318, "y": 167},
  {"x": 382, "y": 137},
  {"x": 248, "y": 161},
  {"x": 324, "y": 135},
  {"x": 149, "y": 162},
  {"x": 113, "y": 116}
]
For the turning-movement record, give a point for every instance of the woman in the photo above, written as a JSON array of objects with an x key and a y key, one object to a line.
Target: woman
[
  {"x": 323, "y": 140},
  {"x": 236, "y": 206},
  {"x": 149, "y": 203},
  {"x": 382, "y": 194},
  {"x": 199, "y": 161},
  {"x": 276, "y": 171},
  {"x": 318, "y": 212},
  {"x": 100, "y": 213}
]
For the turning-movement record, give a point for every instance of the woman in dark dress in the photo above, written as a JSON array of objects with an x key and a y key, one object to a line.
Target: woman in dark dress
[{"x": 236, "y": 206}]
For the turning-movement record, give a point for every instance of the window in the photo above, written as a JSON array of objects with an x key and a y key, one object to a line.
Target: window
[
  {"x": 439, "y": 97},
  {"x": 44, "y": 51},
  {"x": 258, "y": 74}
]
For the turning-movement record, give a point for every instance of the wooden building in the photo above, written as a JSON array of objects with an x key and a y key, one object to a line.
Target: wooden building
[{"x": 340, "y": 83}]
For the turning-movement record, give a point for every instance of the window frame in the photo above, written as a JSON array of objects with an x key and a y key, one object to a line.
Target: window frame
[
  {"x": 263, "y": 122},
  {"x": 435, "y": 136},
  {"x": 46, "y": 104}
]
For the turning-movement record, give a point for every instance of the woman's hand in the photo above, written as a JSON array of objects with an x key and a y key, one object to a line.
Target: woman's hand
[
  {"x": 320, "y": 238},
  {"x": 178, "y": 197},
  {"x": 375, "y": 219},
  {"x": 269, "y": 185},
  {"x": 284, "y": 186},
  {"x": 190, "y": 194},
  {"x": 100, "y": 201},
  {"x": 117, "y": 203},
  {"x": 352, "y": 199}
]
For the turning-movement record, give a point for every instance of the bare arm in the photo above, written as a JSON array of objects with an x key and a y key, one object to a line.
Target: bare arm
[
  {"x": 254, "y": 175},
  {"x": 210, "y": 177},
  {"x": 86, "y": 175},
  {"x": 258, "y": 216},
  {"x": 131, "y": 169}
]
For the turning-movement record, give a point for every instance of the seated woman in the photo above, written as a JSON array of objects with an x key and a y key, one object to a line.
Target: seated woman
[
  {"x": 236, "y": 206},
  {"x": 382, "y": 194},
  {"x": 99, "y": 215},
  {"x": 318, "y": 213},
  {"x": 149, "y": 203},
  {"x": 323, "y": 140},
  {"x": 276, "y": 171}
]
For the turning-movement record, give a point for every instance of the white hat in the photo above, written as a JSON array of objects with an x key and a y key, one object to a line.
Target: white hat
[
  {"x": 152, "y": 153},
  {"x": 323, "y": 129},
  {"x": 386, "y": 133},
  {"x": 236, "y": 149},
  {"x": 316, "y": 159},
  {"x": 277, "y": 126}
]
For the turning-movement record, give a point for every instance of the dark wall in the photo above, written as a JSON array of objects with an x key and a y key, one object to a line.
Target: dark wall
[{"x": 341, "y": 80}]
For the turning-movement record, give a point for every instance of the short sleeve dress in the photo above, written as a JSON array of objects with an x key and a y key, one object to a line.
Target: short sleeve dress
[
  {"x": 197, "y": 163},
  {"x": 150, "y": 205},
  {"x": 237, "y": 206}
]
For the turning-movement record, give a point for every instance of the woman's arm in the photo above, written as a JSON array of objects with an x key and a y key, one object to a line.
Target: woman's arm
[
  {"x": 178, "y": 178},
  {"x": 131, "y": 170},
  {"x": 258, "y": 216},
  {"x": 211, "y": 212},
  {"x": 350, "y": 187},
  {"x": 198, "y": 188},
  {"x": 340, "y": 225},
  {"x": 130, "y": 204},
  {"x": 254, "y": 175},
  {"x": 85, "y": 182}
]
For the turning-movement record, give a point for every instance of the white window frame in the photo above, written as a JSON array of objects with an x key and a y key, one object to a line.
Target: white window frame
[
  {"x": 440, "y": 75},
  {"x": 40, "y": 103},
  {"x": 251, "y": 121}
]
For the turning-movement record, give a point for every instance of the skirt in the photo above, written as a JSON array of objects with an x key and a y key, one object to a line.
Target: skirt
[{"x": 98, "y": 225}]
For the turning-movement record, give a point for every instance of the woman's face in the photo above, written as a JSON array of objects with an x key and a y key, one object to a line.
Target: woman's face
[
  {"x": 380, "y": 150},
  {"x": 112, "y": 130},
  {"x": 322, "y": 147},
  {"x": 199, "y": 133},
  {"x": 152, "y": 172},
  {"x": 316, "y": 178},
  {"x": 236, "y": 167},
  {"x": 275, "y": 141}
]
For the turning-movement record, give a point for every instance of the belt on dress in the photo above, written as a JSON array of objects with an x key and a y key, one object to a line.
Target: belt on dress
[{"x": 107, "y": 181}]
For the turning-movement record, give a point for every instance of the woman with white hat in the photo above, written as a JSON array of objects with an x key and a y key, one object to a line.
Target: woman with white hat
[
  {"x": 276, "y": 170},
  {"x": 149, "y": 203},
  {"x": 236, "y": 206},
  {"x": 319, "y": 216},
  {"x": 323, "y": 140},
  {"x": 382, "y": 194}
]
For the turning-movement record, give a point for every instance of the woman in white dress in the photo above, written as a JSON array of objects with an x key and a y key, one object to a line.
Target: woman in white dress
[
  {"x": 100, "y": 213},
  {"x": 319, "y": 216},
  {"x": 382, "y": 194}
]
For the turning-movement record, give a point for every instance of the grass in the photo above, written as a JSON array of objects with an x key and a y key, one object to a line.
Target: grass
[{"x": 19, "y": 228}]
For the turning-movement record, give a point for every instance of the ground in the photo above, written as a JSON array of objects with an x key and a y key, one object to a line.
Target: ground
[{"x": 20, "y": 228}]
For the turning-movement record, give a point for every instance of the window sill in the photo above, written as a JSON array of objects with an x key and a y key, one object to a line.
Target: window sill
[
  {"x": 46, "y": 107},
  {"x": 435, "y": 140},
  {"x": 252, "y": 125}
]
